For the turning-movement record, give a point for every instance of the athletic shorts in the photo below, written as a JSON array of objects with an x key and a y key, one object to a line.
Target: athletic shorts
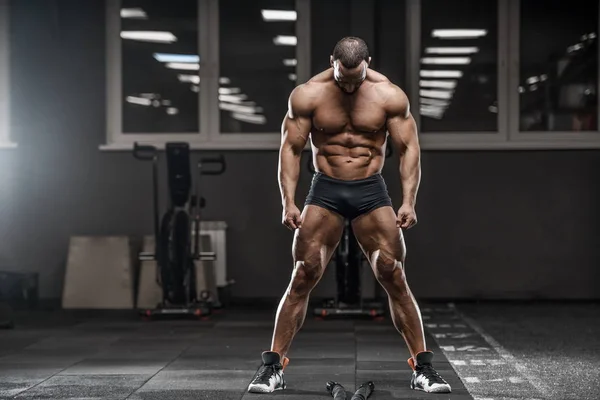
[{"x": 350, "y": 199}]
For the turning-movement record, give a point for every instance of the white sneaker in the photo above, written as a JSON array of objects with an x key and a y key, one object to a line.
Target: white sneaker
[
  {"x": 269, "y": 376},
  {"x": 425, "y": 377}
]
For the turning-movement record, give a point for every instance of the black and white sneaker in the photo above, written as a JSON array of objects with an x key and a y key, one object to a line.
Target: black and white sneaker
[
  {"x": 425, "y": 377},
  {"x": 269, "y": 376}
]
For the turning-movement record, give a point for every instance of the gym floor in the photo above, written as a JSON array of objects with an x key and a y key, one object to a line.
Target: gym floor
[{"x": 484, "y": 350}]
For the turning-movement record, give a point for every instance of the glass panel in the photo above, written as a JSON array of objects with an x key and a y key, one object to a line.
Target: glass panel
[
  {"x": 160, "y": 64},
  {"x": 257, "y": 63},
  {"x": 390, "y": 56},
  {"x": 559, "y": 65},
  {"x": 458, "y": 82},
  {"x": 330, "y": 21}
]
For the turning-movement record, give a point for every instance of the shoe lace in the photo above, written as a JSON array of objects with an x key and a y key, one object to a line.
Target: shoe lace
[
  {"x": 265, "y": 372},
  {"x": 431, "y": 374}
]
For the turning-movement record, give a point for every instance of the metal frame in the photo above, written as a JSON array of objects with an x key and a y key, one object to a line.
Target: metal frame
[
  {"x": 544, "y": 139},
  {"x": 507, "y": 137},
  {"x": 5, "y": 137}
]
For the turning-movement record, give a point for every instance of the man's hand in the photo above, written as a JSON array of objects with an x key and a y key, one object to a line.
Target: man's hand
[
  {"x": 292, "y": 218},
  {"x": 407, "y": 217}
]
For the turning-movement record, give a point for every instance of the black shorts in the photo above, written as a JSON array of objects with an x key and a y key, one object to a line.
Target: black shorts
[{"x": 350, "y": 199}]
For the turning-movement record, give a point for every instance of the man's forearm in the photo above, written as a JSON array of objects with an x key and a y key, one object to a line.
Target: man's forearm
[
  {"x": 410, "y": 174},
  {"x": 289, "y": 173}
]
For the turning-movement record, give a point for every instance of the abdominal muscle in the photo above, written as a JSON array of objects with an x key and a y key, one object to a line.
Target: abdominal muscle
[{"x": 348, "y": 156}]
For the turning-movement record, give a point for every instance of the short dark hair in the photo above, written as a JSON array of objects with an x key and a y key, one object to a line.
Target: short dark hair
[{"x": 351, "y": 51}]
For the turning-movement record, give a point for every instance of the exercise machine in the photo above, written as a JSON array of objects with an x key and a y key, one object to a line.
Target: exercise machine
[
  {"x": 349, "y": 259},
  {"x": 177, "y": 235}
]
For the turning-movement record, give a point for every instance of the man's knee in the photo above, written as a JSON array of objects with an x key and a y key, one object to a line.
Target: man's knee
[
  {"x": 387, "y": 268},
  {"x": 306, "y": 274}
]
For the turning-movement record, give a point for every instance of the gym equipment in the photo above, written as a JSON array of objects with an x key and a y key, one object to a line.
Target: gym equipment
[
  {"x": 177, "y": 235},
  {"x": 348, "y": 258},
  {"x": 337, "y": 391},
  {"x": 99, "y": 273}
]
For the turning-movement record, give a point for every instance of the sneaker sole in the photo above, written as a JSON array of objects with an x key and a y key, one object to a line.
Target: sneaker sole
[
  {"x": 437, "y": 390},
  {"x": 263, "y": 390}
]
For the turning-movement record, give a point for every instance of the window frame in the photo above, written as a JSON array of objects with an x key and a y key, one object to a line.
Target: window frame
[
  {"x": 5, "y": 103},
  {"x": 507, "y": 136},
  {"x": 210, "y": 136},
  {"x": 540, "y": 139}
]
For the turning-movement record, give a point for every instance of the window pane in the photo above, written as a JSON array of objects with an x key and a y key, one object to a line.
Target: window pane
[
  {"x": 160, "y": 64},
  {"x": 559, "y": 65},
  {"x": 257, "y": 62},
  {"x": 458, "y": 66},
  {"x": 330, "y": 21}
]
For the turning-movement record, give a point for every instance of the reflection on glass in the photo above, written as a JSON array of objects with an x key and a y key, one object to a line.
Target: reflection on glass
[
  {"x": 160, "y": 65},
  {"x": 458, "y": 66},
  {"x": 258, "y": 63},
  {"x": 559, "y": 65}
]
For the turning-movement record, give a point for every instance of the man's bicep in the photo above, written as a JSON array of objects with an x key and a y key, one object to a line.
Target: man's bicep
[
  {"x": 403, "y": 131},
  {"x": 295, "y": 131}
]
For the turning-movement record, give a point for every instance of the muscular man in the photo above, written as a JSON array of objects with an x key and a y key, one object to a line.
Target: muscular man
[{"x": 348, "y": 111}]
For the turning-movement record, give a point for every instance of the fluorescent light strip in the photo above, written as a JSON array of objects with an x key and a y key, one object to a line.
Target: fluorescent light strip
[
  {"x": 177, "y": 58},
  {"x": 252, "y": 119},
  {"x": 172, "y": 111},
  {"x": 135, "y": 13},
  {"x": 458, "y": 33},
  {"x": 290, "y": 62},
  {"x": 223, "y": 90},
  {"x": 232, "y": 98},
  {"x": 434, "y": 102},
  {"x": 451, "y": 50},
  {"x": 149, "y": 36},
  {"x": 438, "y": 84},
  {"x": 189, "y": 78},
  {"x": 446, "y": 60},
  {"x": 183, "y": 66},
  {"x": 283, "y": 40},
  {"x": 138, "y": 100},
  {"x": 440, "y": 74},
  {"x": 279, "y": 15},
  {"x": 224, "y": 80},
  {"x": 292, "y": 77},
  {"x": 532, "y": 80},
  {"x": 239, "y": 108},
  {"x": 436, "y": 94}
]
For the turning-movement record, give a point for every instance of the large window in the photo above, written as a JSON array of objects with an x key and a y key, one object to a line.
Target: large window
[
  {"x": 160, "y": 66},
  {"x": 558, "y": 76},
  {"x": 458, "y": 74},
  {"x": 257, "y": 63},
  {"x": 494, "y": 74},
  {"x": 5, "y": 141}
]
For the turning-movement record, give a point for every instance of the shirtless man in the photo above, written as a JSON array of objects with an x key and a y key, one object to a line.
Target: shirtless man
[{"x": 348, "y": 112}]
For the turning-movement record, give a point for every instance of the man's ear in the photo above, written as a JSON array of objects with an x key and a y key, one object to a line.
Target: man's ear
[
  {"x": 369, "y": 62},
  {"x": 331, "y": 61}
]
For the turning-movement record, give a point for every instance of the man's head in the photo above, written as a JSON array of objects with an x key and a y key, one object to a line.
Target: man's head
[{"x": 350, "y": 60}]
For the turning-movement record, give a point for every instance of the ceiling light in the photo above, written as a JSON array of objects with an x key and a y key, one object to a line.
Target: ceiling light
[
  {"x": 182, "y": 58},
  {"x": 239, "y": 108},
  {"x": 189, "y": 78},
  {"x": 250, "y": 118},
  {"x": 172, "y": 111},
  {"x": 438, "y": 84},
  {"x": 435, "y": 102},
  {"x": 138, "y": 100},
  {"x": 436, "y": 94},
  {"x": 223, "y": 90},
  {"x": 232, "y": 98},
  {"x": 136, "y": 13},
  {"x": 441, "y": 74},
  {"x": 279, "y": 15},
  {"x": 149, "y": 36},
  {"x": 183, "y": 66},
  {"x": 458, "y": 33},
  {"x": 293, "y": 77},
  {"x": 282, "y": 40},
  {"x": 290, "y": 62},
  {"x": 224, "y": 81},
  {"x": 451, "y": 50},
  {"x": 446, "y": 60}
]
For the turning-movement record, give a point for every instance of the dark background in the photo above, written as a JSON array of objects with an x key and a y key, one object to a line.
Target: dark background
[{"x": 521, "y": 224}]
